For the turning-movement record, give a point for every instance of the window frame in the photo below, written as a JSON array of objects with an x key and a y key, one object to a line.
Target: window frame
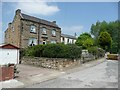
[
  {"x": 44, "y": 30},
  {"x": 53, "y": 32},
  {"x": 33, "y": 39},
  {"x": 32, "y": 30},
  {"x": 53, "y": 42}
]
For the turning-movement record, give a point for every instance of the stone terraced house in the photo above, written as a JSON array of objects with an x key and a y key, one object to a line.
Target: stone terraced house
[{"x": 27, "y": 30}]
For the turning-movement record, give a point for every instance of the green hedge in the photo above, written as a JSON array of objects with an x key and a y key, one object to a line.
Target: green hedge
[
  {"x": 34, "y": 51},
  {"x": 54, "y": 51}
]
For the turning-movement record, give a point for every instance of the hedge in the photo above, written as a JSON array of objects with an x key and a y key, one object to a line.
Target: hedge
[{"x": 54, "y": 51}]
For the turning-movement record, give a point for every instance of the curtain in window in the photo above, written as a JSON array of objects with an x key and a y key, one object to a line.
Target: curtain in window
[{"x": 32, "y": 41}]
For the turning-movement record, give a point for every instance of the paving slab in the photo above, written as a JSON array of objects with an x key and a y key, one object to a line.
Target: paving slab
[{"x": 10, "y": 83}]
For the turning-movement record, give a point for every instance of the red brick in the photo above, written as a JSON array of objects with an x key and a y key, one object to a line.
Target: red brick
[{"x": 6, "y": 73}]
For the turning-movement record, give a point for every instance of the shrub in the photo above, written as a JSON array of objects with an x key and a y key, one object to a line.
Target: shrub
[
  {"x": 97, "y": 52},
  {"x": 54, "y": 51},
  {"x": 35, "y": 51},
  {"x": 22, "y": 53},
  {"x": 74, "y": 51}
]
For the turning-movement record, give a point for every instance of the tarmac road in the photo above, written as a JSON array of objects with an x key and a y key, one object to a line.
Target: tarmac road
[{"x": 103, "y": 75}]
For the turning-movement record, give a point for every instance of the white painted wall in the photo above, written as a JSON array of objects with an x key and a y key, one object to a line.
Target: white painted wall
[
  {"x": 9, "y": 56},
  {"x": 66, "y": 40}
]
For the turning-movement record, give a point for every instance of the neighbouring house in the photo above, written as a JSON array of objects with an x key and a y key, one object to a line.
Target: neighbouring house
[
  {"x": 68, "y": 39},
  {"x": 9, "y": 54},
  {"x": 26, "y": 30}
]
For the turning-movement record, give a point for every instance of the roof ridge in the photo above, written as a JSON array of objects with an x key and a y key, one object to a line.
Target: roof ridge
[
  {"x": 39, "y": 20},
  {"x": 30, "y": 15}
]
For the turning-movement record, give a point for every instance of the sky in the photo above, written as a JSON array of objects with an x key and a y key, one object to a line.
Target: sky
[{"x": 72, "y": 17}]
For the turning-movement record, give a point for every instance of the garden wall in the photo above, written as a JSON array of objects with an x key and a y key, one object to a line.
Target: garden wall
[
  {"x": 53, "y": 63},
  {"x": 6, "y": 73}
]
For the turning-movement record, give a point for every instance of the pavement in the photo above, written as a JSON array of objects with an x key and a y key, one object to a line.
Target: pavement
[{"x": 30, "y": 75}]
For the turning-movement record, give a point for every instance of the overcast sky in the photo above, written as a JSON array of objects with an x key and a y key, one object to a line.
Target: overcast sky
[{"x": 70, "y": 16}]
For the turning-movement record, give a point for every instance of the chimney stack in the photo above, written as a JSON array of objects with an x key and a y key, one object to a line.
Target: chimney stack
[
  {"x": 54, "y": 22},
  {"x": 9, "y": 25},
  {"x": 18, "y": 11}
]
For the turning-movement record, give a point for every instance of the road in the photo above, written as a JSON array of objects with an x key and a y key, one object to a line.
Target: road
[{"x": 103, "y": 75}]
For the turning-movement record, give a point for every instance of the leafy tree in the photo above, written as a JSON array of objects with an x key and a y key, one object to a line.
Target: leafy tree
[
  {"x": 88, "y": 43},
  {"x": 105, "y": 40},
  {"x": 95, "y": 29},
  {"x": 113, "y": 28},
  {"x": 85, "y": 40}
]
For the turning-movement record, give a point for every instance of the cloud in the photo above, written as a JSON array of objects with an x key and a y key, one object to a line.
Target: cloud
[
  {"x": 78, "y": 29},
  {"x": 37, "y": 8}
]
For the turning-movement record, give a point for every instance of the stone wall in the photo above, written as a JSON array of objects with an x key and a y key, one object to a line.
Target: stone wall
[{"x": 53, "y": 63}]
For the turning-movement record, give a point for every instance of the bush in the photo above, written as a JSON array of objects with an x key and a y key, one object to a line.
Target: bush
[
  {"x": 97, "y": 52},
  {"x": 22, "y": 53},
  {"x": 54, "y": 51},
  {"x": 62, "y": 51},
  {"x": 35, "y": 51},
  {"x": 74, "y": 51}
]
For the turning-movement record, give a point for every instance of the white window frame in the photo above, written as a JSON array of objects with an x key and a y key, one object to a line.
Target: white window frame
[
  {"x": 44, "y": 30},
  {"x": 32, "y": 39},
  {"x": 33, "y": 28},
  {"x": 53, "y": 41},
  {"x": 53, "y": 32}
]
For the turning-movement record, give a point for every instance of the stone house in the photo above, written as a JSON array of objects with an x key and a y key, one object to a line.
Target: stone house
[
  {"x": 27, "y": 30},
  {"x": 68, "y": 39}
]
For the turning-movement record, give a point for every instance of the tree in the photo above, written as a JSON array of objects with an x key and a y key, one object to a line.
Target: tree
[
  {"x": 88, "y": 43},
  {"x": 113, "y": 28},
  {"x": 105, "y": 40},
  {"x": 95, "y": 29},
  {"x": 85, "y": 40}
]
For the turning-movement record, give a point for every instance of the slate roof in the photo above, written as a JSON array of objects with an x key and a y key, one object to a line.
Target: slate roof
[
  {"x": 35, "y": 19},
  {"x": 68, "y": 36}
]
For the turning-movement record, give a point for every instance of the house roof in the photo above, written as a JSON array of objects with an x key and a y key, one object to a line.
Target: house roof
[
  {"x": 68, "y": 36},
  {"x": 8, "y": 46},
  {"x": 35, "y": 19}
]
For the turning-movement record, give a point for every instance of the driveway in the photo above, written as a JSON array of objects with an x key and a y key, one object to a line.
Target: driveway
[
  {"x": 31, "y": 74},
  {"x": 29, "y": 70},
  {"x": 104, "y": 75}
]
